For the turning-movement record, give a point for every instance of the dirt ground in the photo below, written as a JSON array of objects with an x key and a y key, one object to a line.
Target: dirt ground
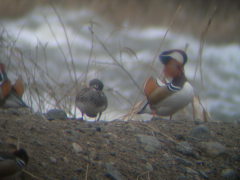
[{"x": 132, "y": 150}]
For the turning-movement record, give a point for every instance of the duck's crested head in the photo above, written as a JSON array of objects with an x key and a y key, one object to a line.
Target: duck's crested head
[
  {"x": 176, "y": 54},
  {"x": 96, "y": 84},
  {"x": 22, "y": 154}
]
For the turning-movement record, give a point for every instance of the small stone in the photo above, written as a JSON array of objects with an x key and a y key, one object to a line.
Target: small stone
[
  {"x": 65, "y": 159},
  {"x": 98, "y": 129},
  {"x": 149, "y": 167},
  {"x": 43, "y": 164},
  {"x": 189, "y": 171},
  {"x": 180, "y": 137},
  {"x": 113, "y": 153},
  {"x": 74, "y": 178},
  {"x": 203, "y": 175},
  {"x": 150, "y": 143},
  {"x": 56, "y": 114},
  {"x": 185, "y": 148},
  {"x": 230, "y": 174},
  {"x": 77, "y": 148},
  {"x": 213, "y": 149},
  {"x": 200, "y": 132},
  {"x": 183, "y": 161},
  {"x": 79, "y": 170},
  {"x": 53, "y": 160},
  {"x": 236, "y": 157},
  {"x": 37, "y": 143},
  {"x": 200, "y": 163},
  {"x": 112, "y": 172},
  {"x": 182, "y": 177}
]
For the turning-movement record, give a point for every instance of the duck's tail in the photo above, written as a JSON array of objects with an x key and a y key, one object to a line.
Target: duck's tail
[
  {"x": 143, "y": 108},
  {"x": 14, "y": 101}
]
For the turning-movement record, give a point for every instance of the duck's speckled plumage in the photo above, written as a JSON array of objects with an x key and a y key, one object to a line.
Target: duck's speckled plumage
[{"x": 91, "y": 101}]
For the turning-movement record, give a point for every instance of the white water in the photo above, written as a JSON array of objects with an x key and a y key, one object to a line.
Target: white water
[{"x": 40, "y": 36}]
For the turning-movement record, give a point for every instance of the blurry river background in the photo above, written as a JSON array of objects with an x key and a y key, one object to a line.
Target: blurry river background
[{"x": 56, "y": 45}]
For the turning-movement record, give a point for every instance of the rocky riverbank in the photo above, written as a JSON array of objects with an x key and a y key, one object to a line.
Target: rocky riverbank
[{"x": 180, "y": 149}]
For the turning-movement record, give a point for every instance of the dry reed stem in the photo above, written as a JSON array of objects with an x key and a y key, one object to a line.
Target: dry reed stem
[
  {"x": 33, "y": 176},
  {"x": 90, "y": 53},
  {"x": 68, "y": 42},
  {"x": 202, "y": 42},
  {"x": 179, "y": 6},
  {"x": 86, "y": 175},
  {"x": 206, "y": 115},
  {"x": 115, "y": 60},
  {"x": 143, "y": 174}
]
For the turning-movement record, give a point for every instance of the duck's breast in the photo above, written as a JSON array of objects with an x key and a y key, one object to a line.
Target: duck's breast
[{"x": 176, "y": 101}]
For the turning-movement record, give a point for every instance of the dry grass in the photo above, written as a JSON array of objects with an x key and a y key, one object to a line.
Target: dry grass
[{"x": 45, "y": 92}]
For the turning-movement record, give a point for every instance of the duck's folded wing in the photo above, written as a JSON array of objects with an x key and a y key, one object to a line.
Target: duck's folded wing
[
  {"x": 19, "y": 87},
  {"x": 5, "y": 89},
  {"x": 8, "y": 167},
  {"x": 154, "y": 92}
]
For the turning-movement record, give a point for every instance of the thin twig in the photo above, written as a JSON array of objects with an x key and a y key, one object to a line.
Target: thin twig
[
  {"x": 168, "y": 29},
  {"x": 202, "y": 42},
  {"x": 116, "y": 61},
  {"x": 68, "y": 42},
  {"x": 86, "y": 175},
  {"x": 143, "y": 174},
  {"x": 30, "y": 174},
  {"x": 90, "y": 53}
]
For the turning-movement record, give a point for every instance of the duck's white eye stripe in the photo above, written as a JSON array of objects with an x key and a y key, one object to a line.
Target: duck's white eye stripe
[
  {"x": 20, "y": 163},
  {"x": 173, "y": 88},
  {"x": 177, "y": 56}
]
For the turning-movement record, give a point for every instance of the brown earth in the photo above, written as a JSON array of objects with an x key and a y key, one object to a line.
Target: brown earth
[{"x": 76, "y": 150}]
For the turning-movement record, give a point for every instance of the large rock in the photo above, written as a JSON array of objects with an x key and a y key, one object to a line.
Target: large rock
[
  {"x": 185, "y": 148},
  {"x": 230, "y": 174},
  {"x": 200, "y": 132},
  {"x": 213, "y": 149},
  {"x": 113, "y": 173},
  {"x": 56, "y": 114},
  {"x": 183, "y": 161},
  {"x": 149, "y": 143}
]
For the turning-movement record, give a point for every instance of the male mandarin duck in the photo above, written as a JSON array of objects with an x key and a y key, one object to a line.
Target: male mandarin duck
[
  {"x": 92, "y": 100},
  {"x": 10, "y": 95},
  {"x": 12, "y": 163},
  {"x": 164, "y": 98}
]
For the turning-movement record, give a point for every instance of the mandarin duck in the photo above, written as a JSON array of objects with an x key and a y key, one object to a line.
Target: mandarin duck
[
  {"x": 12, "y": 163},
  {"x": 10, "y": 95},
  {"x": 174, "y": 92},
  {"x": 91, "y": 100}
]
